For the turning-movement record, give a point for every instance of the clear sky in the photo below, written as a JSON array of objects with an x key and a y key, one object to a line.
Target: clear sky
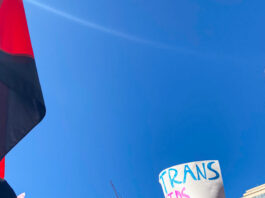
[{"x": 133, "y": 87}]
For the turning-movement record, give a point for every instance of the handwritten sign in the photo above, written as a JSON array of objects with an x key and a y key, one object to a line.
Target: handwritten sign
[{"x": 193, "y": 180}]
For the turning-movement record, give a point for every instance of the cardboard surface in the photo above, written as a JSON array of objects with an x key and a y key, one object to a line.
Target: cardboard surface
[{"x": 200, "y": 179}]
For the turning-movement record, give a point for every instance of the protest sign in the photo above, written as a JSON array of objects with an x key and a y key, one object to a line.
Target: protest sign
[{"x": 201, "y": 179}]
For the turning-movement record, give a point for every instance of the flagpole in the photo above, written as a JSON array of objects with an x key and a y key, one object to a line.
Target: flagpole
[{"x": 3, "y": 119}]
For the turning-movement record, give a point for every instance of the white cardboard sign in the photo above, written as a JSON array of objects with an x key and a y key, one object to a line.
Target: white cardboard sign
[{"x": 201, "y": 179}]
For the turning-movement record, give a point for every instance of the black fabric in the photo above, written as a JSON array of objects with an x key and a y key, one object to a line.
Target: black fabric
[
  {"x": 5, "y": 190},
  {"x": 19, "y": 83}
]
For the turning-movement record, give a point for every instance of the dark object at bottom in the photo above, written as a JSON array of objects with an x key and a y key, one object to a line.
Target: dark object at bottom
[{"x": 5, "y": 190}]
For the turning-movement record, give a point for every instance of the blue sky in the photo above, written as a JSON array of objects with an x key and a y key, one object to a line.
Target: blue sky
[{"x": 133, "y": 87}]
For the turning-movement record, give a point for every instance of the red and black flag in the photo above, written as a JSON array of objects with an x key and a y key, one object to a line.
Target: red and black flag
[{"x": 21, "y": 102}]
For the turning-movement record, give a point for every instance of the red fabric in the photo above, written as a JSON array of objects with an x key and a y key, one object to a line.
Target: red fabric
[
  {"x": 14, "y": 34},
  {"x": 2, "y": 168}
]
